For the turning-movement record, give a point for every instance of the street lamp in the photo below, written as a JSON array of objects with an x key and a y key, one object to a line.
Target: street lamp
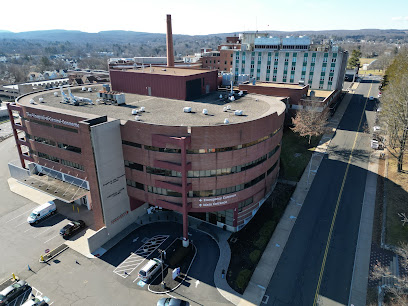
[{"x": 161, "y": 257}]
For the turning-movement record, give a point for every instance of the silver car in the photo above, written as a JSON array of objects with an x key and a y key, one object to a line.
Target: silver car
[{"x": 13, "y": 291}]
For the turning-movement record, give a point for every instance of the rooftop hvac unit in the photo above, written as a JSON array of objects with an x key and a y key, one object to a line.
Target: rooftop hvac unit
[
  {"x": 225, "y": 109},
  {"x": 228, "y": 107},
  {"x": 187, "y": 109},
  {"x": 238, "y": 112},
  {"x": 41, "y": 100},
  {"x": 137, "y": 118},
  {"x": 84, "y": 88},
  {"x": 232, "y": 98},
  {"x": 134, "y": 111},
  {"x": 98, "y": 101},
  {"x": 240, "y": 93},
  {"x": 142, "y": 109},
  {"x": 205, "y": 111},
  {"x": 89, "y": 89},
  {"x": 32, "y": 101},
  {"x": 55, "y": 94},
  {"x": 226, "y": 121},
  {"x": 220, "y": 96}
]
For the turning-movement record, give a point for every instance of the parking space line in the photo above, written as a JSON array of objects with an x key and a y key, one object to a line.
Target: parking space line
[
  {"x": 52, "y": 238},
  {"x": 141, "y": 254},
  {"x": 25, "y": 222},
  {"x": 20, "y": 215},
  {"x": 43, "y": 232},
  {"x": 31, "y": 228}
]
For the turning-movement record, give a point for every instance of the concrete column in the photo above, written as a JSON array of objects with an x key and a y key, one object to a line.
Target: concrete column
[
  {"x": 184, "y": 190},
  {"x": 20, "y": 153}
]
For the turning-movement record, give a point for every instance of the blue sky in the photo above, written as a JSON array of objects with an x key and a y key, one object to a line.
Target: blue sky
[{"x": 205, "y": 17}]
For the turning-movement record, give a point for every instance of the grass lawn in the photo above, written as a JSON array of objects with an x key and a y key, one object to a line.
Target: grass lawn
[
  {"x": 252, "y": 240},
  {"x": 295, "y": 155},
  {"x": 362, "y": 72},
  {"x": 396, "y": 188},
  {"x": 366, "y": 60}
]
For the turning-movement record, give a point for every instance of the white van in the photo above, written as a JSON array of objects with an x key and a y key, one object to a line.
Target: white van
[
  {"x": 41, "y": 212},
  {"x": 150, "y": 269}
]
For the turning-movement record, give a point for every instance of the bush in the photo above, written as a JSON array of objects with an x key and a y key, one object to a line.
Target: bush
[
  {"x": 261, "y": 242},
  {"x": 254, "y": 256},
  {"x": 267, "y": 228},
  {"x": 243, "y": 278}
]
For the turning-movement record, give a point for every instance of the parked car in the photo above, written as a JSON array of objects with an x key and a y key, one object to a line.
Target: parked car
[
  {"x": 150, "y": 269},
  {"x": 37, "y": 301},
  {"x": 172, "y": 302},
  {"x": 71, "y": 228},
  {"x": 11, "y": 292},
  {"x": 42, "y": 212}
]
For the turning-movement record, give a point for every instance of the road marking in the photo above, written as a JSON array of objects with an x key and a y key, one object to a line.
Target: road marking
[
  {"x": 338, "y": 203},
  {"x": 136, "y": 258},
  {"x": 134, "y": 240},
  {"x": 170, "y": 295},
  {"x": 20, "y": 215},
  {"x": 52, "y": 238},
  {"x": 43, "y": 232},
  {"x": 31, "y": 228}
]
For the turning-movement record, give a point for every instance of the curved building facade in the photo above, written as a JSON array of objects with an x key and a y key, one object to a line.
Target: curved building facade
[{"x": 192, "y": 163}]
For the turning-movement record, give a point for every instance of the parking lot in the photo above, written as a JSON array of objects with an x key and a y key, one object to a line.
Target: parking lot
[
  {"x": 27, "y": 242},
  {"x": 26, "y": 295}
]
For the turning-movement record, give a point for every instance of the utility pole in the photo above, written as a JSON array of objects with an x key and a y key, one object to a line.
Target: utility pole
[{"x": 161, "y": 257}]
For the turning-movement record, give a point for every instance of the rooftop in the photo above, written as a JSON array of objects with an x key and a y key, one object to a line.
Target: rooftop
[
  {"x": 162, "y": 111},
  {"x": 169, "y": 71}
]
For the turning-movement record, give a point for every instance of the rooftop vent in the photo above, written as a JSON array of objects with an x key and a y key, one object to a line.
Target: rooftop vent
[
  {"x": 134, "y": 111},
  {"x": 232, "y": 98},
  {"x": 142, "y": 109},
  {"x": 226, "y": 121},
  {"x": 225, "y": 109},
  {"x": 220, "y": 97},
  {"x": 55, "y": 94},
  {"x": 84, "y": 88},
  {"x": 32, "y": 101},
  {"x": 239, "y": 112},
  {"x": 228, "y": 107},
  {"x": 89, "y": 89},
  {"x": 187, "y": 109},
  {"x": 41, "y": 100},
  {"x": 205, "y": 111},
  {"x": 137, "y": 118},
  {"x": 240, "y": 93}
]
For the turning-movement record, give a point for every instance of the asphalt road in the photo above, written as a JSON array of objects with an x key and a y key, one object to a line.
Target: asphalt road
[{"x": 333, "y": 205}]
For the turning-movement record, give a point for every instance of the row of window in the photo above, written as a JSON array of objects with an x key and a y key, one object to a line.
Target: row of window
[
  {"x": 58, "y": 160},
  {"x": 57, "y": 126},
  {"x": 53, "y": 143},
  {"x": 225, "y": 62},
  {"x": 214, "y": 192},
  {"x": 202, "y": 173},
  {"x": 202, "y": 151}
]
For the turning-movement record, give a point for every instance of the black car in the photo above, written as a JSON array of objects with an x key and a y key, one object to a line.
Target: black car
[
  {"x": 71, "y": 228},
  {"x": 12, "y": 291}
]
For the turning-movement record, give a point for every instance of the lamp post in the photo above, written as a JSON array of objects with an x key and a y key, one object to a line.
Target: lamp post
[{"x": 161, "y": 257}]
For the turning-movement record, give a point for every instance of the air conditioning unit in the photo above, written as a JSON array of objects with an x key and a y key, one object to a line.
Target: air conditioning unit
[
  {"x": 226, "y": 121},
  {"x": 187, "y": 109},
  {"x": 205, "y": 111}
]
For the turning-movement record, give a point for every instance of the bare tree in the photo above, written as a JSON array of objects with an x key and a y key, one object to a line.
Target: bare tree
[
  {"x": 310, "y": 122},
  {"x": 394, "y": 114}
]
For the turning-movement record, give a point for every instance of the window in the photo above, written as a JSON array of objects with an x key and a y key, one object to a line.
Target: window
[
  {"x": 245, "y": 203},
  {"x": 324, "y": 59},
  {"x": 293, "y": 68},
  {"x": 133, "y": 165},
  {"x": 72, "y": 164},
  {"x": 313, "y": 59},
  {"x": 134, "y": 184},
  {"x": 294, "y": 60},
  {"x": 333, "y": 60},
  {"x": 323, "y": 69},
  {"x": 322, "y": 78},
  {"x": 69, "y": 147},
  {"x": 311, "y": 68}
]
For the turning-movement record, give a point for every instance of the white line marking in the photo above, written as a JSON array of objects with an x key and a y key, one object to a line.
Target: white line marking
[
  {"x": 42, "y": 232},
  {"x": 20, "y": 215},
  {"x": 136, "y": 279},
  {"x": 25, "y": 222},
  {"x": 29, "y": 229},
  {"x": 170, "y": 295},
  {"x": 52, "y": 238}
]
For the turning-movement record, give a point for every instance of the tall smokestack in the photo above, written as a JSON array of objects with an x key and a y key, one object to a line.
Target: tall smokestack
[{"x": 169, "y": 41}]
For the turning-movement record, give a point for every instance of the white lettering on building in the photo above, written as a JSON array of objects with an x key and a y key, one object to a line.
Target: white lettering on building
[
  {"x": 216, "y": 201},
  {"x": 48, "y": 118}
]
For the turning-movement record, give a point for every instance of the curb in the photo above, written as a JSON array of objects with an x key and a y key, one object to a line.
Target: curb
[
  {"x": 47, "y": 257},
  {"x": 185, "y": 276}
]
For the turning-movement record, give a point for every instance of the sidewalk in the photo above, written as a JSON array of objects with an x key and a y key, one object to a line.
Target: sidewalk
[{"x": 263, "y": 273}]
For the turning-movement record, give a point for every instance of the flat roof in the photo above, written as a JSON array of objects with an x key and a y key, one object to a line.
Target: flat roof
[
  {"x": 278, "y": 85},
  {"x": 320, "y": 93},
  {"x": 169, "y": 71},
  {"x": 162, "y": 111}
]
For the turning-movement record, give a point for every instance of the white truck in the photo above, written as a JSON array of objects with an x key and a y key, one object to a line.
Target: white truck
[{"x": 41, "y": 212}]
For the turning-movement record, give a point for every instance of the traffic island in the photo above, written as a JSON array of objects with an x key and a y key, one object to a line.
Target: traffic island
[
  {"x": 50, "y": 255},
  {"x": 177, "y": 257}
]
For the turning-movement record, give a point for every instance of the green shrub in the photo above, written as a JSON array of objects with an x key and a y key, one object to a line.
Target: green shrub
[
  {"x": 261, "y": 242},
  {"x": 243, "y": 278},
  {"x": 267, "y": 228},
  {"x": 254, "y": 256}
]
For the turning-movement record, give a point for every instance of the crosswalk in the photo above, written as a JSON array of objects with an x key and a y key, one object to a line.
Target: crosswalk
[{"x": 137, "y": 257}]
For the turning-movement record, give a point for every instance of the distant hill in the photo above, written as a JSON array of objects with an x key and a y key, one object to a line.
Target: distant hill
[{"x": 140, "y": 37}]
